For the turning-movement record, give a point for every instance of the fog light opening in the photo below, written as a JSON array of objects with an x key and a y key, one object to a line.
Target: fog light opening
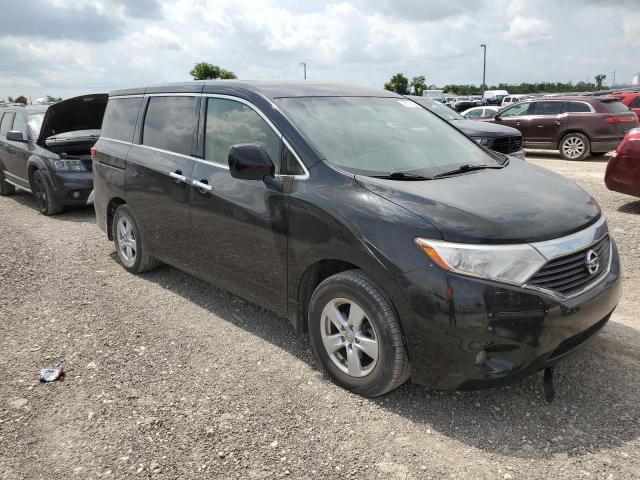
[
  {"x": 481, "y": 358},
  {"x": 76, "y": 194}
]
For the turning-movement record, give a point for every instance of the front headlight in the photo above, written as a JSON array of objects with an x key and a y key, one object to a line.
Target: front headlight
[
  {"x": 484, "y": 141},
  {"x": 69, "y": 165},
  {"x": 505, "y": 263}
]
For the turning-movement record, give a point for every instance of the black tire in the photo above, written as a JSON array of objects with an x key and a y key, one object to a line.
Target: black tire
[
  {"x": 391, "y": 368},
  {"x": 6, "y": 188},
  {"x": 47, "y": 203},
  {"x": 574, "y": 146},
  {"x": 140, "y": 261}
]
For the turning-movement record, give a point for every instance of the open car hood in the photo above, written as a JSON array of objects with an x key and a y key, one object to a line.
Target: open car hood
[{"x": 79, "y": 113}]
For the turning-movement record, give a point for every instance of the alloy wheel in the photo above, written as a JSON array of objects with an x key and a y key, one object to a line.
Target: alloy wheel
[
  {"x": 126, "y": 241},
  {"x": 349, "y": 337},
  {"x": 573, "y": 147}
]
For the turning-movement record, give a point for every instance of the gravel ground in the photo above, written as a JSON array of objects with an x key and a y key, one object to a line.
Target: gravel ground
[{"x": 169, "y": 377}]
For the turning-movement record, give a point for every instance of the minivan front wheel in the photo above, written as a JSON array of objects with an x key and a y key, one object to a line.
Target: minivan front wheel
[
  {"x": 129, "y": 246},
  {"x": 575, "y": 146},
  {"x": 356, "y": 334}
]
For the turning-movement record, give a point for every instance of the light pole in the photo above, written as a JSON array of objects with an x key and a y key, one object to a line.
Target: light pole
[
  {"x": 304, "y": 66},
  {"x": 484, "y": 67},
  {"x": 613, "y": 80}
]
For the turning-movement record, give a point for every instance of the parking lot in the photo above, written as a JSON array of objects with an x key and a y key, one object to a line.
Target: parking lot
[{"x": 169, "y": 377}]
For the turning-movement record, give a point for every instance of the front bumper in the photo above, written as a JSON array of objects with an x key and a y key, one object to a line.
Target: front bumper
[
  {"x": 449, "y": 319},
  {"x": 519, "y": 154},
  {"x": 71, "y": 188}
]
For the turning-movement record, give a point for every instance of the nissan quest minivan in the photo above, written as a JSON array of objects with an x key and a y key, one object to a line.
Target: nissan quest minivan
[{"x": 403, "y": 247}]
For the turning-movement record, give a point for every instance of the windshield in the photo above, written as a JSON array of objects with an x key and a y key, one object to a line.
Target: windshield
[
  {"x": 439, "y": 109},
  {"x": 373, "y": 136},
  {"x": 35, "y": 122}
]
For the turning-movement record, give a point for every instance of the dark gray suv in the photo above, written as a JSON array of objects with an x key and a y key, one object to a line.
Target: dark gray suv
[{"x": 46, "y": 150}]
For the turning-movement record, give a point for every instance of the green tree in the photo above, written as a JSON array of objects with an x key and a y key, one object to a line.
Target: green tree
[
  {"x": 418, "y": 85},
  {"x": 399, "y": 84},
  {"x": 50, "y": 99},
  {"x": 207, "y": 71},
  {"x": 599, "y": 79},
  {"x": 10, "y": 99}
]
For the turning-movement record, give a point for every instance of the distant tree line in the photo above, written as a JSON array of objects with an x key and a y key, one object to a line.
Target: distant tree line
[{"x": 399, "y": 83}]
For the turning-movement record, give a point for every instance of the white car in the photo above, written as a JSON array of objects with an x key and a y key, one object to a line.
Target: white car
[
  {"x": 509, "y": 99},
  {"x": 479, "y": 112}
]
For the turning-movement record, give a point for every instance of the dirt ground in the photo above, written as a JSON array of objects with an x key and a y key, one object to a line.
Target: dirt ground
[{"x": 168, "y": 377}]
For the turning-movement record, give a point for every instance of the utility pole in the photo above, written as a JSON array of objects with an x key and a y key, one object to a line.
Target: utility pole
[
  {"x": 484, "y": 68},
  {"x": 304, "y": 66},
  {"x": 613, "y": 81}
]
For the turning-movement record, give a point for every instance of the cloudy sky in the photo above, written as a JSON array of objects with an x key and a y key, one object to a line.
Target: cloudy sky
[{"x": 69, "y": 47}]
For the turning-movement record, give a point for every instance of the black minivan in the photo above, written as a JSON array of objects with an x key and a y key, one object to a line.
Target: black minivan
[{"x": 402, "y": 247}]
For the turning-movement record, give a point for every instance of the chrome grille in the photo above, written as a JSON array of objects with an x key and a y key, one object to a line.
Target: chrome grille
[
  {"x": 569, "y": 274},
  {"x": 507, "y": 144}
]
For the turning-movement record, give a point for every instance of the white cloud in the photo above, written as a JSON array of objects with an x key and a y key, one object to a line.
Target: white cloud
[{"x": 82, "y": 46}]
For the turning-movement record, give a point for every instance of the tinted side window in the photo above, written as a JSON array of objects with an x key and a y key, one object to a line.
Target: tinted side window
[
  {"x": 547, "y": 108},
  {"x": 229, "y": 123},
  {"x": 474, "y": 114},
  {"x": 20, "y": 124},
  {"x": 120, "y": 118},
  {"x": 5, "y": 124},
  {"x": 291, "y": 165},
  {"x": 635, "y": 103},
  {"x": 516, "y": 110},
  {"x": 577, "y": 107},
  {"x": 169, "y": 123},
  {"x": 614, "y": 106}
]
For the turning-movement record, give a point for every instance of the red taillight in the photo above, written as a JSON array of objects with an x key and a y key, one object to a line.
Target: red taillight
[
  {"x": 93, "y": 152},
  {"x": 621, "y": 119}
]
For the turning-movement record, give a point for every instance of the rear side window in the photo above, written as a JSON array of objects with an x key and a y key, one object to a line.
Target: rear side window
[
  {"x": 614, "y": 106},
  {"x": 5, "y": 124},
  {"x": 635, "y": 103},
  {"x": 120, "y": 118},
  {"x": 474, "y": 114},
  {"x": 20, "y": 124},
  {"x": 578, "y": 107},
  {"x": 547, "y": 108},
  {"x": 169, "y": 124},
  {"x": 229, "y": 123}
]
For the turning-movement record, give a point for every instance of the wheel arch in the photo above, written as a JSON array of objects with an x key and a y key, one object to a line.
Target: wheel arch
[
  {"x": 112, "y": 206},
  {"x": 34, "y": 163}
]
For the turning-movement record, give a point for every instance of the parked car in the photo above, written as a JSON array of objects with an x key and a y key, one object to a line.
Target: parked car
[
  {"x": 463, "y": 103},
  {"x": 509, "y": 99},
  {"x": 477, "y": 100},
  {"x": 402, "y": 247},
  {"x": 449, "y": 101},
  {"x": 623, "y": 169},
  {"x": 45, "y": 150},
  {"x": 494, "y": 97},
  {"x": 630, "y": 99},
  {"x": 480, "y": 112},
  {"x": 498, "y": 138},
  {"x": 576, "y": 126}
]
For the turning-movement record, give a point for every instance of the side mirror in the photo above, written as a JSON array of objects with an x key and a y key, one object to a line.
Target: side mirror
[
  {"x": 497, "y": 117},
  {"x": 249, "y": 161},
  {"x": 15, "y": 136}
]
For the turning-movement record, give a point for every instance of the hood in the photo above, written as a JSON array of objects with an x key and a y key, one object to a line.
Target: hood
[
  {"x": 78, "y": 113},
  {"x": 519, "y": 203},
  {"x": 474, "y": 128}
]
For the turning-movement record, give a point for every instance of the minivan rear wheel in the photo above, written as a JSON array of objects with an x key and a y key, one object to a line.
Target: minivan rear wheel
[
  {"x": 355, "y": 332},
  {"x": 129, "y": 245},
  {"x": 575, "y": 146}
]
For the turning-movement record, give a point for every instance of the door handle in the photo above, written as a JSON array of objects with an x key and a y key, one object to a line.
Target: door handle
[
  {"x": 558, "y": 123},
  {"x": 202, "y": 185},
  {"x": 178, "y": 177}
]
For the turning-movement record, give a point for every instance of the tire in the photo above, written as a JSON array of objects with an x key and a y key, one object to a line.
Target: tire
[
  {"x": 129, "y": 244},
  {"x": 574, "y": 146},
  {"x": 47, "y": 203},
  {"x": 6, "y": 188},
  {"x": 366, "y": 354}
]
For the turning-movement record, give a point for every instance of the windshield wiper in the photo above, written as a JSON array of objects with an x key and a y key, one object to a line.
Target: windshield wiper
[
  {"x": 467, "y": 167},
  {"x": 402, "y": 176}
]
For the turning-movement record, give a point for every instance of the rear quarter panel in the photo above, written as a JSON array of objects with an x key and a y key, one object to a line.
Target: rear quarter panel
[{"x": 108, "y": 177}]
